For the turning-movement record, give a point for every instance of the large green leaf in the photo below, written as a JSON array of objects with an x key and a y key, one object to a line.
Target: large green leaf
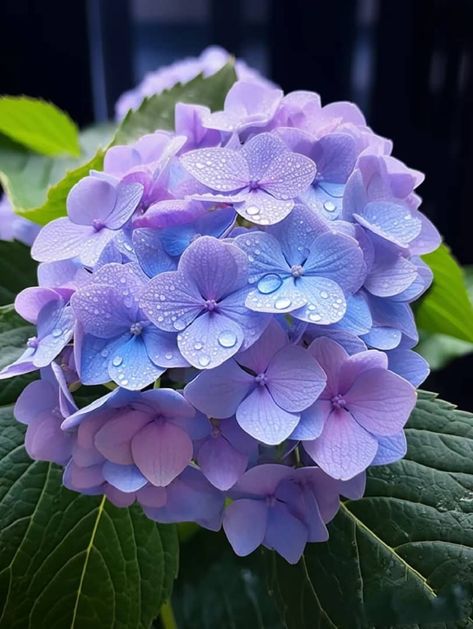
[
  {"x": 38, "y": 125},
  {"x": 68, "y": 560},
  {"x": 32, "y": 181},
  {"x": 446, "y": 308},
  {"x": 39, "y": 187},
  {"x": 400, "y": 557}
]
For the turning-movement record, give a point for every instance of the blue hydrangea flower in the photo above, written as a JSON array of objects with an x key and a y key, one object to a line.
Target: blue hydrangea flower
[
  {"x": 115, "y": 340},
  {"x": 299, "y": 268},
  {"x": 204, "y": 303}
]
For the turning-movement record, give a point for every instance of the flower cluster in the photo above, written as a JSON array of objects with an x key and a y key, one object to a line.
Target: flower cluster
[{"x": 242, "y": 286}]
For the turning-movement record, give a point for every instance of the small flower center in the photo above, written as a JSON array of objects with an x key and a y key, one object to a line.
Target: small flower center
[
  {"x": 253, "y": 184},
  {"x": 32, "y": 342},
  {"x": 136, "y": 329},
  {"x": 97, "y": 224},
  {"x": 210, "y": 304},
  {"x": 261, "y": 379},
  {"x": 297, "y": 270},
  {"x": 338, "y": 401}
]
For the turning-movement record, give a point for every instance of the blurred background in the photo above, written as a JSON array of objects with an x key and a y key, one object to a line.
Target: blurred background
[{"x": 407, "y": 63}]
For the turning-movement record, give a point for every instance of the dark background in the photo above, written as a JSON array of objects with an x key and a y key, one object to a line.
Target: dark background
[{"x": 407, "y": 63}]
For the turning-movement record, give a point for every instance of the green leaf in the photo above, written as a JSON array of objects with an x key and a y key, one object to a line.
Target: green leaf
[
  {"x": 17, "y": 270},
  {"x": 157, "y": 112},
  {"x": 440, "y": 349},
  {"x": 39, "y": 187},
  {"x": 446, "y": 308},
  {"x": 38, "y": 125},
  {"x": 403, "y": 555},
  {"x": 68, "y": 560}
]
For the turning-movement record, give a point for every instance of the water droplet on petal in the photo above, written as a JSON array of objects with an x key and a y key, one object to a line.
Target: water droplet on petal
[
  {"x": 198, "y": 345},
  {"x": 282, "y": 304},
  {"x": 324, "y": 294},
  {"x": 329, "y": 206},
  {"x": 315, "y": 317},
  {"x": 269, "y": 283},
  {"x": 168, "y": 356},
  {"x": 252, "y": 210},
  {"x": 57, "y": 332},
  {"x": 227, "y": 338},
  {"x": 204, "y": 361},
  {"x": 117, "y": 361},
  {"x": 179, "y": 325}
]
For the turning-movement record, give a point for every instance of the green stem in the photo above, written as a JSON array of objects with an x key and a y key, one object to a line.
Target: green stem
[{"x": 168, "y": 620}]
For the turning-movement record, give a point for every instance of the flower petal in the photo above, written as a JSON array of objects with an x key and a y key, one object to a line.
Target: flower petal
[
  {"x": 220, "y": 463},
  {"x": 219, "y": 392},
  {"x": 161, "y": 451},
  {"x": 294, "y": 379},
  {"x": 244, "y": 523},
  {"x": 381, "y": 401},
  {"x": 263, "y": 419},
  {"x": 344, "y": 448},
  {"x": 219, "y": 169},
  {"x": 286, "y": 534}
]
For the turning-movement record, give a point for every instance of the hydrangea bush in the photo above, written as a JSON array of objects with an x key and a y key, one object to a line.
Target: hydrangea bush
[
  {"x": 244, "y": 286},
  {"x": 223, "y": 333}
]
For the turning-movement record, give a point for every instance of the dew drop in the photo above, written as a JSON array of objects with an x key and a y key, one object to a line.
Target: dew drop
[
  {"x": 204, "y": 361},
  {"x": 269, "y": 283},
  {"x": 179, "y": 325},
  {"x": 198, "y": 345},
  {"x": 329, "y": 206},
  {"x": 227, "y": 338},
  {"x": 252, "y": 210},
  {"x": 117, "y": 361},
  {"x": 282, "y": 304},
  {"x": 57, "y": 332},
  {"x": 168, "y": 356},
  {"x": 324, "y": 294},
  {"x": 315, "y": 317}
]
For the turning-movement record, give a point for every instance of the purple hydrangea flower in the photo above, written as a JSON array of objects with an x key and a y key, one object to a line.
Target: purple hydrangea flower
[
  {"x": 96, "y": 207},
  {"x": 54, "y": 322},
  {"x": 262, "y": 179},
  {"x": 267, "y": 387},
  {"x": 134, "y": 438},
  {"x": 42, "y": 406},
  {"x": 204, "y": 303},
  {"x": 260, "y": 515},
  {"x": 362, "y": 401},
  {"x": 114, "y": 339},
  {"x": 14, "y": 227}
]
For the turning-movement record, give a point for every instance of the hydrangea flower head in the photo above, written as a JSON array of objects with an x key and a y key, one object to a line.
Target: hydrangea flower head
[{"x": 243, "y": 284}]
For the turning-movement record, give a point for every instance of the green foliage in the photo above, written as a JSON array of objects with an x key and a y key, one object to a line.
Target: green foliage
[
  {"x": 400, "y": 557},
  {"x": 38, "y": 125},
  {"x": 446, "y": 308},
  {"x": 17, "y": 270}
]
